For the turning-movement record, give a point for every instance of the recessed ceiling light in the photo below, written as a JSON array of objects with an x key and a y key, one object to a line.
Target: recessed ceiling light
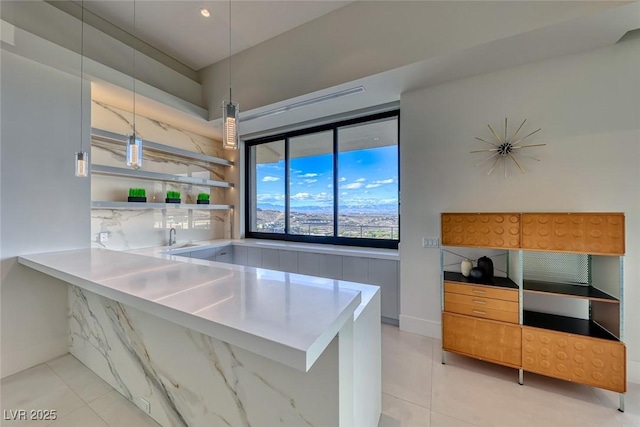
[{"x": 205, "y": 12}]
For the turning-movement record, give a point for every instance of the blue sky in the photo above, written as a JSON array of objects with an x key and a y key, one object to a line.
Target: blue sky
[{"x": 366, "y": 177}]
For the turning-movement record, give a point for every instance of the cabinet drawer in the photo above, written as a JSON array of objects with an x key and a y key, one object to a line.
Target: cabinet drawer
[
  {"x": 593, "y": 233},
  {"x": 592, "y": 361},
  {"x": 482, "y": 291},
  {"x": 481, "y": 302},
  {"x": 484, "y": 339},
  {"x": 481, "y": 312},
  {"x": 489, "y": 230}
]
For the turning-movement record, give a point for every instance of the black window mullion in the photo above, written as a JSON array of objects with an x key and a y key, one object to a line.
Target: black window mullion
[
  {"x": 287, "y": 166},
  {"x": 335, "y": 183}
]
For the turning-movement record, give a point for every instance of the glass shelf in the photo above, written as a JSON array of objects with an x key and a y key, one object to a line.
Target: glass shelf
[
  {"x": 140, "y": 205},
  {"x": 156, "y": 176},
  {"x": 115, "y": 138}
]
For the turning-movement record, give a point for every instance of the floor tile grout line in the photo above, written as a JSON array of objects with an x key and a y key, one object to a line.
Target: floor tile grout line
[
  {"x": 86, "y": 402},
  {"x": 455, "y": 418}
]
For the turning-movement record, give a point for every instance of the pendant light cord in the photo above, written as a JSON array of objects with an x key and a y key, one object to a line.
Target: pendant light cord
[
  {"x": 81, "y": 74},
  {"x": 133, "y": 72},
  {"x": 229, "y": 51}
]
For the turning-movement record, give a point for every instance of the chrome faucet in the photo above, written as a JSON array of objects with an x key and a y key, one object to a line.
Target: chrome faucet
[{"x": 172, "y": 236}]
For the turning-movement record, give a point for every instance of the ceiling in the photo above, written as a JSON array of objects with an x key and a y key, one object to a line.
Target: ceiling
[{"x": 177, "y": 28}]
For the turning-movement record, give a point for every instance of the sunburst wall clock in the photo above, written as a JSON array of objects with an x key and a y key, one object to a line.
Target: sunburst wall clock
[{"x": 505, "y": 149}]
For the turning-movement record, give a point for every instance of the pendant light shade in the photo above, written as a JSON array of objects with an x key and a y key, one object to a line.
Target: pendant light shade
[
  {"x": 230, "y": 118},
  {"x": 230, "y": 110},
  {"x": 82, "y": 164},
  {"x": 134, "y": 142},
  {"x": 134, "y": 151},
  {"x": 82, "y": 157}
]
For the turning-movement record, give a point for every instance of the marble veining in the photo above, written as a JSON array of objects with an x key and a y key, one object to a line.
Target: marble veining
[
  {"x": 214, "y": 384},
  {"x": 134, "y": 229}
]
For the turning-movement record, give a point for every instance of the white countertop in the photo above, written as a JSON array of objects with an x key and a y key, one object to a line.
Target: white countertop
[
  {"x": 356, "y": 251},
  {"x": 290, "y": 318}
]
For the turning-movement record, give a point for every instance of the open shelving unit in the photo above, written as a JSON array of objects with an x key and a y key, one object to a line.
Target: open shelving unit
[
  {"x": 156, "y": 176},
  {"x": 115, "y": 138},
  {"x": 570, "y": 256},
  {"x": 141, "y": 205},
  {"x": 120, "y": 140}
]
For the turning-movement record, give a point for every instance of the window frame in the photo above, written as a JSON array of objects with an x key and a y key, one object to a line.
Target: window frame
[{"x": 286, "y": 136}]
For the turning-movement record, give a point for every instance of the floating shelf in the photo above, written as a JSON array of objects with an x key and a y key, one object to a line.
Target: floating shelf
[
  {"x": 115, "y": 138},
  {"x": 156, "y": 176},
  {"x": 571, "y": 291},
  {"x": 138, "y": 205},
  {"x": 566, "y": 324},
  {"x": 503, "y": 282}
]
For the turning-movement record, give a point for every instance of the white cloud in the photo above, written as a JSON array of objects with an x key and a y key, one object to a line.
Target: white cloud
[
  {"x": 301, "y": 196},
  {"x": 372, "y": 185},
  {"x": 345, "y": 193},
  {"x": 308, "y": 175},
  {"x": 352, "y": 186},
  {"x": 384, "y": 181},
  {"x": 343, "y": 179},
  {"x": 270, "y": 179},
  {"x": 310, "y": 181},
  {"x": 266, "y": 197},
  {"x": 361, "y": 180}
]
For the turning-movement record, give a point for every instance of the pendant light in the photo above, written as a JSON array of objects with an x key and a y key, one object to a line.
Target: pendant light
[
  {"x": 230, "y": 110},
  {"x": 134, "y": 143},
  {"x": 82, "y": 157}
]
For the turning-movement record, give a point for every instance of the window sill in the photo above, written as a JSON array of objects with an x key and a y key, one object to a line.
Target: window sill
[{"x": 391, "y": 254}]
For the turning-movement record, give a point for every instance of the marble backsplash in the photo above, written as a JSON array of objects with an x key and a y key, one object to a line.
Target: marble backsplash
[
  {"x": 191, "y": 379},
  {"x": 140, "y": 228}
]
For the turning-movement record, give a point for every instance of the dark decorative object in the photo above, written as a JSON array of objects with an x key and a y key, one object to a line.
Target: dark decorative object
[
  {"x": 486, "y": 265},
  {"x": 476, "y": 273}
]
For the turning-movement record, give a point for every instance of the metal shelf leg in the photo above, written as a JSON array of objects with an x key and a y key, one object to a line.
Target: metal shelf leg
[
  {"x": 621, "y": 407},
  {"x": 444, "y": 357},
  {"x": 520, "y": 377}
]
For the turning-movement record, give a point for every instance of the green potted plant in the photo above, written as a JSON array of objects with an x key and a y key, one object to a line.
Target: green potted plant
[
  {"x": 137, "y": 195},
  {"x": 203, "y": 198},
  {"x": 173, "y": 197}
]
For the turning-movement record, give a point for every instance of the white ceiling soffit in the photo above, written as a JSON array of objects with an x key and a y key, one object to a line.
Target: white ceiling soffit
[
  {"x": 574, "y": 36},
  {"x": 177, "y": 28}
]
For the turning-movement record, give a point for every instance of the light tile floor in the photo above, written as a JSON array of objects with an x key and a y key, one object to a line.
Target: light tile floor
[{"x": 418, "y": 391}]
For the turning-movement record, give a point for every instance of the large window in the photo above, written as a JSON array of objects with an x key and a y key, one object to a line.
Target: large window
[{"x": 335, "y": 184}]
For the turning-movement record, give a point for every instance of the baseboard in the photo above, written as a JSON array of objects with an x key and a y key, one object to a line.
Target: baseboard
[
  {"x": 633, "y": 371},
  {"x": 419, "y": 326}
]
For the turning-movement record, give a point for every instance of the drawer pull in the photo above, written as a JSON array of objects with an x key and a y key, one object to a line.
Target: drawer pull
[
  {"x": 479, "y": 312},
  {"x": 477, "y": 301},
  {"x": 478, "y": 291}
]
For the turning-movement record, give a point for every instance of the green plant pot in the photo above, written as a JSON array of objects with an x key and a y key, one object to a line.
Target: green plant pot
[{"x": 137, "y": 199}]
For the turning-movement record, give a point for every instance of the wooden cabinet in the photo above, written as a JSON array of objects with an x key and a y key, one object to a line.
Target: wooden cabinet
[
  {"x": 490, "y": 230},
  {"x": 497, "y": 342},
  {"x": 490, "y": 321},
  {"x": 593, "y": 361},
  {"x": 591, "y": 233}
]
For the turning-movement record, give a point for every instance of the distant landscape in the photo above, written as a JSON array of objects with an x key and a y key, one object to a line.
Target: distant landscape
[{"x": 354, "y": 221}]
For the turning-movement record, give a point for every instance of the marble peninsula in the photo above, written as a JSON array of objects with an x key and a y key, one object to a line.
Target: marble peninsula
[{"x": 213, "y": 344}]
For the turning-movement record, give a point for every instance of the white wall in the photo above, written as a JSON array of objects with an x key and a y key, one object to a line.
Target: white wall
[
  {"x": 588, "y": 107},
  {"x": 369, "y": 37},
  {"x": 45, "y": 207}
]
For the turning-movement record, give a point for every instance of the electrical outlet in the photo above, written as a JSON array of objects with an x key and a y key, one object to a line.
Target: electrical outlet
[
  {"x": 430, "y": 242},
  {"x": 145, "y": 406},
  {"x": 103, "y": 237}
]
